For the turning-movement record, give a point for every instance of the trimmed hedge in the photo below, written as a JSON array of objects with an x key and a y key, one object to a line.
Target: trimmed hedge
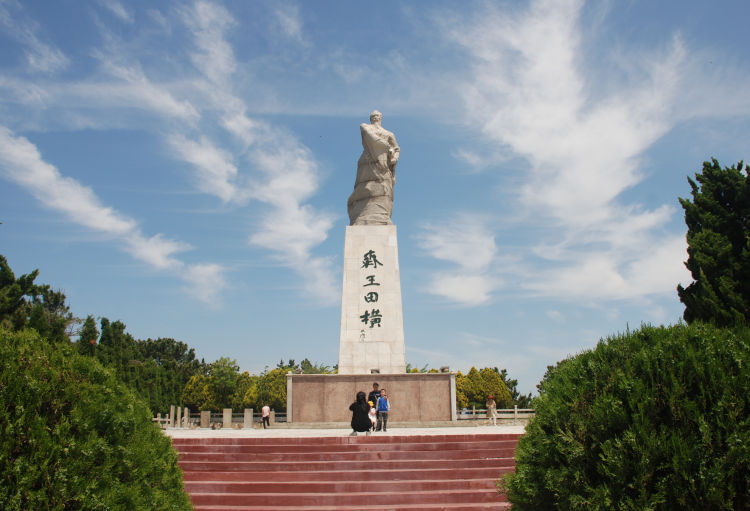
[
  {"x": 74, "y": 438},
  {"x": 658, "y": 419}
]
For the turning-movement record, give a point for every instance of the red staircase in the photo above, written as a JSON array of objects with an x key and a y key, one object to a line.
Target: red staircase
[{"x": 451, "y": 472}]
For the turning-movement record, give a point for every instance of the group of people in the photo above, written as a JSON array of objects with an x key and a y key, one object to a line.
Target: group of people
[{"x": 370, "y": 412}]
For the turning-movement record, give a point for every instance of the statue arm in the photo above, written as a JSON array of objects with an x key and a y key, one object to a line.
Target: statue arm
[{"x": 395, "y": 152}]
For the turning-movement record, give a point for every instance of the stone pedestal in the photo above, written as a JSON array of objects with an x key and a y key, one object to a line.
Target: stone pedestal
[
  {"x": 416, "y": 398},
  {"x": 372, "y": 324}
]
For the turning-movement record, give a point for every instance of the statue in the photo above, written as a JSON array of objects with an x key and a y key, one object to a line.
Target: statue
[{"x": 371, "y": 203}]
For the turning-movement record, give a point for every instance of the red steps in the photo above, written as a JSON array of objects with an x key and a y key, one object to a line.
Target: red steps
[{"x": 451, "y": 472}]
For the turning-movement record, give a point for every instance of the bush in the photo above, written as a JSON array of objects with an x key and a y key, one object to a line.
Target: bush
[
  {"x": 658, "y": 419},
  {"x": 75, "y": 438}
]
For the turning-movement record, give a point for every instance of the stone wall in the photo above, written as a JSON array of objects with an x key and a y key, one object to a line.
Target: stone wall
[{"x": 415, "y": 397}]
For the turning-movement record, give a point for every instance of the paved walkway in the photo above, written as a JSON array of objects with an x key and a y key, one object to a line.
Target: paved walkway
[{"x": 314, "y": 432}]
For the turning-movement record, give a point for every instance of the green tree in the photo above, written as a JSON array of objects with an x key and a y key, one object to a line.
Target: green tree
[
  {"x": 271, "y": 389},
  {"x": 476, "y": 386},
  {"x": 49, "y": 314},
  {"x": 718, "y": 222},
  {"x": 413, "y": 369},
  {"x": 493, "y": 385},
  {"x": 222, "y": 382},
  {"x": 461, "y": 400},
  {"x": 74, "y": 437},
  {"x": 12, "y": 295},
  {"x": 657, "y": 419},
  {"x": 196, "y": 394},
  {"x": 517, "y": 399},
  {"x": 471, "y": 388},
  {"x": 245, "y": 381},
  {"x": 308, "y": 367},
  {"x": 87, "y": 337},
  {"x": 25, "y": 304}
]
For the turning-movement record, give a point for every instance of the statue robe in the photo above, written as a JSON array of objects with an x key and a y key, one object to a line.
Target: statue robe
[{"x": 371, "y": 203}]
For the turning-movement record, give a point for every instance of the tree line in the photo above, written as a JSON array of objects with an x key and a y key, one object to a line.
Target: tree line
[{"x": 165, "y": 371}]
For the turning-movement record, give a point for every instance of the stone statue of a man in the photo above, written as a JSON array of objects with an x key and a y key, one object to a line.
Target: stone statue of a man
[{"x": 371, "y": 203}]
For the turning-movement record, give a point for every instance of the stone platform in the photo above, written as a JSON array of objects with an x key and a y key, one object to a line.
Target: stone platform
[{"x": 416, "y": 398}]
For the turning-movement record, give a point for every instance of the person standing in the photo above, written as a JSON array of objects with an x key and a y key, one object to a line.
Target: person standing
[
  {"x": 265, "y": 414},
  {"x": 374, "y": 394},
  {"x": 383, "y": 406},
  {"x": 361, "y": 422},
  {"x": 491, "y": 410}
]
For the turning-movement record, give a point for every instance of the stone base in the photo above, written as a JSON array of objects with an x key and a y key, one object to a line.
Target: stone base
[
  {"x": 415, "y": 397},
  {"x": 372, "y": 324}
]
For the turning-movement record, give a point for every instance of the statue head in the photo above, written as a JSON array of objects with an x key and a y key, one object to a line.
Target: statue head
[{"x": 375, "y": 115}]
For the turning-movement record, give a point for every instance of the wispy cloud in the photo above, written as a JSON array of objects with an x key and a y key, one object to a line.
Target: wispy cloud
[
  {"x": 289, "y": 21},
  {"x": 216, "y": 174},
  {"x": 131, "y": 88},
  {"x": 192, "y": 111},
  {"x": 214, "y": 56},
  {"x": 468, "y": 243},
  {"x": 272, "y": 167},
  {"x": 118, "y": 10},
  {"x": 41, "y": 56},
  {"x": 529, "y": 91},
  {"x": 21, "y": 162}
]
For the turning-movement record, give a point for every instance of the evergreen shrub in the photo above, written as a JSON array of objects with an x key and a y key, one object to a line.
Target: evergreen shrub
[
  {"x": 73, "y": 437},
  {"x": 657, "y": 419}
]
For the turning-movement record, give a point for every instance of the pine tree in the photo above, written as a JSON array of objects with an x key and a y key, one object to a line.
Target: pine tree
[
  {"x": 87, "y": 337},
  {"x": 718, "y": 221}
]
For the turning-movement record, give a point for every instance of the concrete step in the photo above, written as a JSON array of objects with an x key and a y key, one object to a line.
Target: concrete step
[
  {"x": 336, "y": 486},
  {"x": 355, "y": 447},
  {"x": 289, "y": 466},
  {"x": 444, "y": 474},
  {"x": 373, "y": 455},
  {"x": 451, "y": 472},
  {"x": 475, "y": 506},
  {"x": 348, "y": 499},
  {"x": 375, "y": 438}
]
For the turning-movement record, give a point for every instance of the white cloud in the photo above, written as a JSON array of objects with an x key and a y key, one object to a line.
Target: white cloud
[
  {"x": 118, "y": 10},
  {"x": 269, "y": 165},
  {"x": 287, "y": 174},
  {"x": 157, "y": 251},
  {"x": 467, "y": 242},
  {"x": 133, "y": 90},
  {"x": 531, "y": 93},
  {"x": 206, "y": 282},
  {"x": 216, "y": 174},
  {"x": 209, "y": 23},
  {"x": 289, "y": 21},
  {"x": 40, "y": 56},
  {"x": 21, "y": 162}
]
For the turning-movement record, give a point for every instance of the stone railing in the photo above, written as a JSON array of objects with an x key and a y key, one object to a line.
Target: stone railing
[
  {"x": 181, "y": 418},
  {"x": 514, "y": 413}
]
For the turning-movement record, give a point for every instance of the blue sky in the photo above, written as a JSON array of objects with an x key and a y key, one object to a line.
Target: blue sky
[{"x": 184, "y": 167}]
